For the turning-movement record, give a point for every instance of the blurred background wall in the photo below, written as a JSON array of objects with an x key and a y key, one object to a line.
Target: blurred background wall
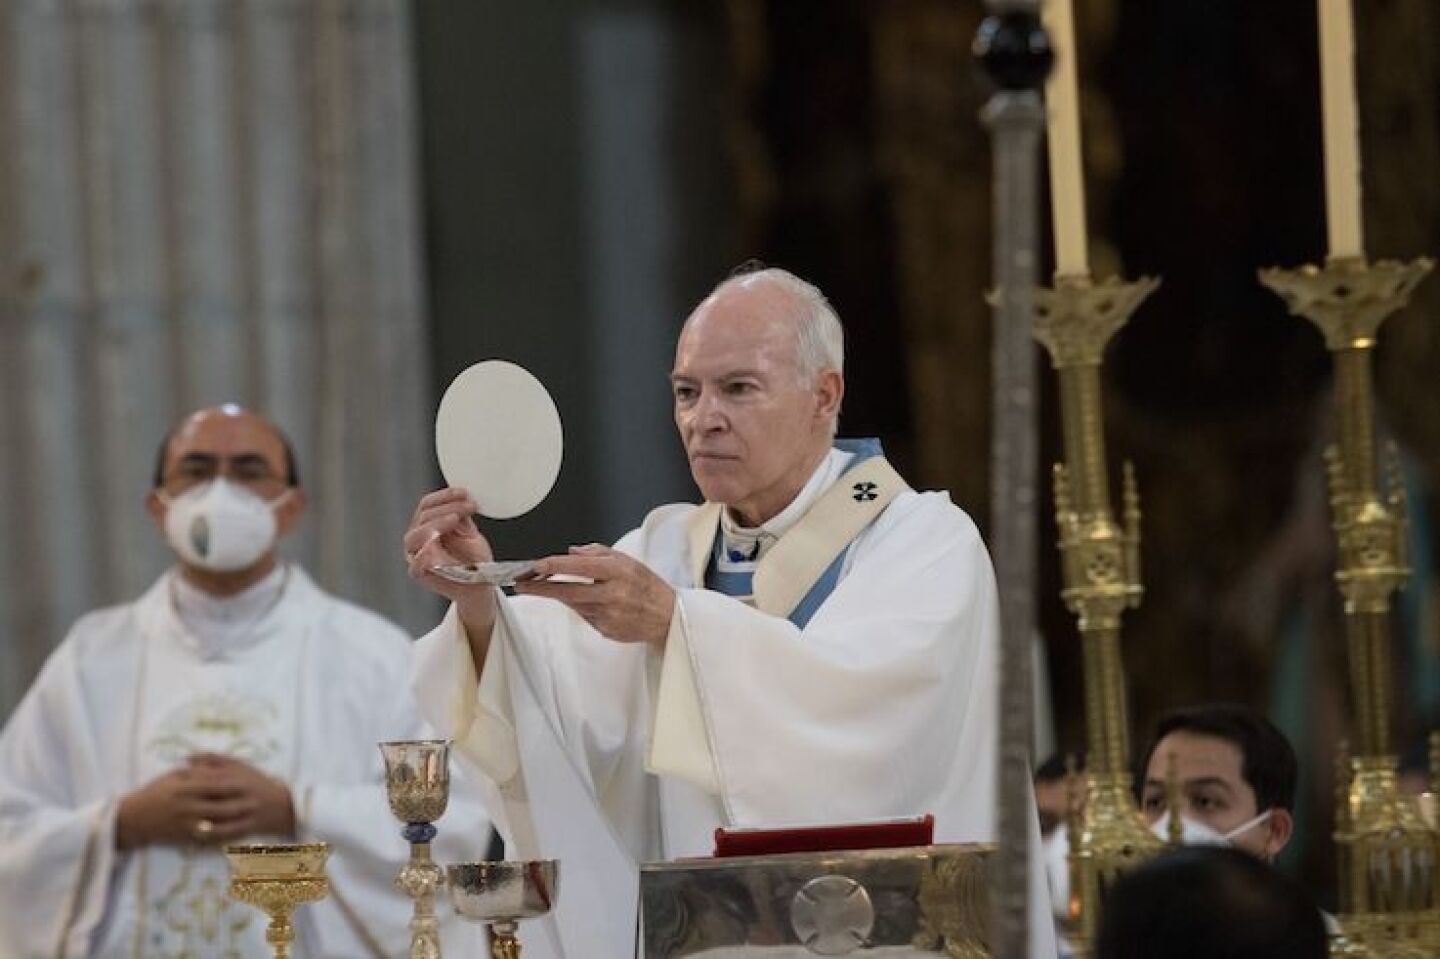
[
  {"x": 202, "y": 201},
  {"x": 327, "y": 208}
]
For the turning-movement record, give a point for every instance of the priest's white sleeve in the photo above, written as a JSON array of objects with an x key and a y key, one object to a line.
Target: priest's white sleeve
[
  {"x": 476, "y": 716},
  {"x": 59, "y": 855},
  {"x": 589, "y": 695},
  {"x": 452, "y": 700},
  {"x": 550, "y": 767}
]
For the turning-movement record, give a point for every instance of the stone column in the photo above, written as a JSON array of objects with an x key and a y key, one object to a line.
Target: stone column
[{"x": 203, "y": 201}]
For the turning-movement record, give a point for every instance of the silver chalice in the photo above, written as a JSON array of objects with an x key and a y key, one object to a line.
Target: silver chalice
[{"x": 502, "y": 894}]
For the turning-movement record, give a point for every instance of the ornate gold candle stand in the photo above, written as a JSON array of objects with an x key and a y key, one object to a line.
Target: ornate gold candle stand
[
  {"x": 1387, "y": 852},
  {"x": 502, "y": 894},
  {"x": 417, "y": 782},
  {"x": 1100, "y": 562},
  {"x": 276, "y": 879}
]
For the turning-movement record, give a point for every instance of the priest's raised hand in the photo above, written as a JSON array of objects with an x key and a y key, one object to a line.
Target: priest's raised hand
[{"x": 443, "y": 531}]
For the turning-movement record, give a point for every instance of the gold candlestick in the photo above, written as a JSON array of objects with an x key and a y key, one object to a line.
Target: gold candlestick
[
  {"x": 1387, "y": 851},
  {"x": 277, "y": 879},
  {"x": 1100, "y": 561},
  {"x": 417, "y": 783},
  {"x": 502, "y": 894}
]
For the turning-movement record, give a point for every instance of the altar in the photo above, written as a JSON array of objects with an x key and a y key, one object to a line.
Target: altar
[{"x": 907, "y": 902}]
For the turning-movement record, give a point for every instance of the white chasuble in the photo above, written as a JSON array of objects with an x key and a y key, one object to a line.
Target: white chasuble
[
  {"x": 131, "y": 693},
  {"x": 882, "y": 705},
  {"x": 242, "y": 703}
]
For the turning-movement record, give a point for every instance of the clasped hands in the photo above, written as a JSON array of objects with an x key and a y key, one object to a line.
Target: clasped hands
[
  {"x": 618, "y": 595},
  {"x": 210, "y": 799}
]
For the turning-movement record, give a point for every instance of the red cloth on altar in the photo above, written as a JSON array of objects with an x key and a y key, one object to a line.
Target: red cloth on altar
[{"x": 886, "y": 834}]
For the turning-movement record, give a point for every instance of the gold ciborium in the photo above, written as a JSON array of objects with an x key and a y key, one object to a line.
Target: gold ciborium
[
  {"x": 276, "y": 878},
  {"x": 502, "y": 894},
  {"x": 417, "y": 782}
]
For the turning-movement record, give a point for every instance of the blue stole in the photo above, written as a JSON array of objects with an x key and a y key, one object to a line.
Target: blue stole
[{"x": 740, "y": 583}]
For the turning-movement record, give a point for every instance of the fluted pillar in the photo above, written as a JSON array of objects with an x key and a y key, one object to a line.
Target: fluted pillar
[{"x": 202, "y": 201}]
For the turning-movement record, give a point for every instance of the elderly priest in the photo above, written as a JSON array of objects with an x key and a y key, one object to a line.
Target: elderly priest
[
  {"x": 816, "y": 643},
  {"x": 234, "y": 700}
]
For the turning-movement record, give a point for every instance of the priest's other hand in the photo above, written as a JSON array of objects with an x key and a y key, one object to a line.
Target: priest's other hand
[
  {"x": 625, "y": 600},
  {"x": 443, "y": 531},
  {"x": 211, "y": 799}
]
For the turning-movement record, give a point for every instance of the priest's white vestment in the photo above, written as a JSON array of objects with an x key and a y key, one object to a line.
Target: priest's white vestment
[
  {"x": 129, "y": 695},
  {"x": 604, "y": 755}
]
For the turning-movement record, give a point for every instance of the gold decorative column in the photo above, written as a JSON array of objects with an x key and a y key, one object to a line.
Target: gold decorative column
[
  {"x": 1387, "y": 852},
  {"x": 1100, "y": 559}
]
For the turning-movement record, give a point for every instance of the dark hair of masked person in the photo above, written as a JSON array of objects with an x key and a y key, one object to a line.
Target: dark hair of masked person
[{"x": 1268, "y": 763}]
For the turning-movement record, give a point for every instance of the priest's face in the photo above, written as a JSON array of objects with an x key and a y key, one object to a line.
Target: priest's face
[{"x": 753, "y": 424}]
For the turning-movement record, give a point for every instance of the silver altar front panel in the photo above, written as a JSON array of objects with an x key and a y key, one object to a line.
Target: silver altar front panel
[{"x": 913, "y": 902}]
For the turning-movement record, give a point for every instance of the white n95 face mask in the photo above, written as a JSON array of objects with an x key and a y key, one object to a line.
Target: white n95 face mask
[
  {"x": 1195, "y": 833},
  {"x": 220, "y": 526}
]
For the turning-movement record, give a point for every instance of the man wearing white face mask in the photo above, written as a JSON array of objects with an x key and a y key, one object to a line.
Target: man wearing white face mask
[
  {"x": 1237, "y": 775},
  {"x": 234, "y": 701}
]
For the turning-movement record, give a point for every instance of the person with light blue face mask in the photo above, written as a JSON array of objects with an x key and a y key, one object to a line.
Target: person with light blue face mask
[{"x": 1236, "y": 774}]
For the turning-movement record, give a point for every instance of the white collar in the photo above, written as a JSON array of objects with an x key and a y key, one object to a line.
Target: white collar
[
  {"x": 767, "y": 533},
  {"x": 215, "y": 625}
]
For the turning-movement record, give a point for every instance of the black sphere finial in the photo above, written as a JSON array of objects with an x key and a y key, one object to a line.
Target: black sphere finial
[{"x": 1015, "y": 50}]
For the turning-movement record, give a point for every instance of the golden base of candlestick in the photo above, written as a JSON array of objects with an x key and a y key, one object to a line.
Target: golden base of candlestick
[
  {"x": 277, "y": 879},
  {"x": 1387, "y": 936},
  {"x": 1388, "y": 867},
  {"x": 1108, "y": 837}
]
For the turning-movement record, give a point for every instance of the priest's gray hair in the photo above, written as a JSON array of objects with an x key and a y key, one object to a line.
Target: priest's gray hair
[{"x": 820, "y": 339}]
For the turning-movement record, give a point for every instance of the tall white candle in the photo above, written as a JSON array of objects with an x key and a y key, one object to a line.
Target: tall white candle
[
  {"x": 1342, "y": 129},
  {"x": 1062, "y": 130}
]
